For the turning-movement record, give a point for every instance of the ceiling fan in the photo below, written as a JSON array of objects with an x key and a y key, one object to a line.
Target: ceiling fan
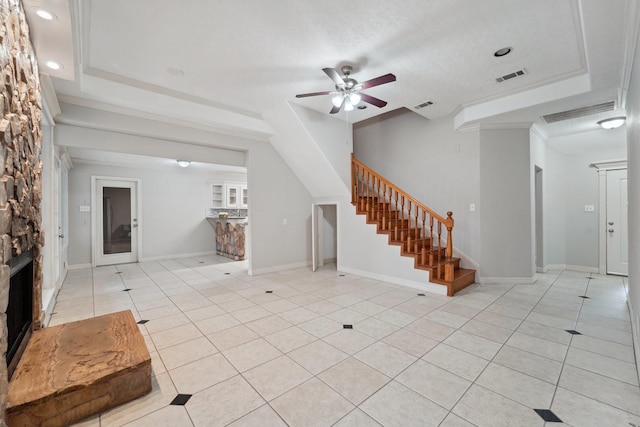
[{"x": 347, "y": 91}]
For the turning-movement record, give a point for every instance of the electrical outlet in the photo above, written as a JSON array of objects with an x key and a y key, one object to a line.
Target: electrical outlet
[
  {"x": 472, "y": 207},
  {"x": 285, "y": 222},
  {"x": 589, "y": 208}
]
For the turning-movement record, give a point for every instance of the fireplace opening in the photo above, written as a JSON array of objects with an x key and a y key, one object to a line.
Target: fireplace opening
[{"x": 20, "y": 308}]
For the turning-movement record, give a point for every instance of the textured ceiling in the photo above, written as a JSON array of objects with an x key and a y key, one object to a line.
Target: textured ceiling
[{"x": 243, "y": 57}]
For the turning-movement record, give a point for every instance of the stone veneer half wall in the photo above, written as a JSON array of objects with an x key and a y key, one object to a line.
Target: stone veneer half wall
[{"x": 20, "y": 164}]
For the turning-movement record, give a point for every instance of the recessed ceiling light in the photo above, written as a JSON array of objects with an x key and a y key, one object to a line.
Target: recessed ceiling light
[
  {"x": 183, "y": 163},
  {"x": 502, "y": 52},
  {"x": 45, "y": 14},
  {"x": 612, "y": 123},
  {"x": 175, "y": 71},
  {"x": 54, "y": 65},
  {"x": 362, "y": 107}
]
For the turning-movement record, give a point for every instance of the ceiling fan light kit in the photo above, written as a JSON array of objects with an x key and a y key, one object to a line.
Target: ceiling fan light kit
[{"x": 347, "y": 93}]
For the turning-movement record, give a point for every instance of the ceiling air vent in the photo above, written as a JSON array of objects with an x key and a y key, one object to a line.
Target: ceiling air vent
[
  {"x": 424, "y": 104},
  {"x": 512, "y": 75},
  {"x": 579, "y": 112}
]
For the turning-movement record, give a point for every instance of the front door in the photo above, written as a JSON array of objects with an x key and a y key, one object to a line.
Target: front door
[
  {"x": 617, "y": 209},
  {"x": 116, "y": 226}
]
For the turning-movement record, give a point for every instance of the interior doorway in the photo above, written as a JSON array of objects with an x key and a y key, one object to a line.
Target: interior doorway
[
  {"x": 324, "y": 234},
  {"x": 116, "y": 229}
]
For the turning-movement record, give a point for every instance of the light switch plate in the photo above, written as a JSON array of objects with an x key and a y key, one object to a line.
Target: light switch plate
[
  {"x": 85, "y": 208},
  {"x": 472, "y": 207}
]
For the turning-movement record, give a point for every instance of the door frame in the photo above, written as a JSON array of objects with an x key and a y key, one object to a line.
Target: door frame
[
  {"x": 94, "y": 215},
  {"x": 317, "y": 233},
  {"x": 602, "y": 167}
]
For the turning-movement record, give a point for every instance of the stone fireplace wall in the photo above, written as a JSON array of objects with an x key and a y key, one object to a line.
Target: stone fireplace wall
[{"x": 20, "y": 164}]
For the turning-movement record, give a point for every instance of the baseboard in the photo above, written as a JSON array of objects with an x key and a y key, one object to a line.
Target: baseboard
[
  {"x": 176, "y": 256},
  {"x": 542, "y": 269},
  {"x": 635, "y": 334},
  {"x": 582, "y": 268},
  {"x": 78, "y": 266},
  {"x": 276, "y": 268},
  {"x": 572, "y": 268},
  {"x": 428, "y": 287},
  {"x": 508, "y": 280}
]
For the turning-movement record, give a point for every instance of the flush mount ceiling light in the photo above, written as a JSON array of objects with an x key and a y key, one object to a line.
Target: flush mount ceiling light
[
  {"x": 45, "y": 14},
  {"x": 54, "y": 65},
  {"x": 612, "y": 123},
  {"x": 502, "y": 52},
  {"x": 183, "y": 163}
]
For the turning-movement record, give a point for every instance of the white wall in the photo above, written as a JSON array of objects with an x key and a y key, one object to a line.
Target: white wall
[
  {"x": 553, "y": 215},
  {"x": 633, "y": 177},
  {"x": 505, "y": 206},
  {"x": 276, "y": 192},
  {"x": 432, "y": 162}
]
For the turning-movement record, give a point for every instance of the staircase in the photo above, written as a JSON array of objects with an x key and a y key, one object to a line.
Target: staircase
[{"x": 412, "y": 226}]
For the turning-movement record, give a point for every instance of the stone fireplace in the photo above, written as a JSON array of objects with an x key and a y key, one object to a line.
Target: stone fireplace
[{"x": 21, "y": 237}]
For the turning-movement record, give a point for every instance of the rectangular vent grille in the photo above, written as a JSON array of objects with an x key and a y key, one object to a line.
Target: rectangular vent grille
[
  {"x": 512, "y": 75},
  {"x": 424, "y": 104},
  {"x": 579, "y": 112}
]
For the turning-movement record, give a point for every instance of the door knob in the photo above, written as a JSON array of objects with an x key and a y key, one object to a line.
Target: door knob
[
  {"x": 611, "y": 230},
  {"x": 610, "y": 222},
  {"x": 61, "y": 236}
]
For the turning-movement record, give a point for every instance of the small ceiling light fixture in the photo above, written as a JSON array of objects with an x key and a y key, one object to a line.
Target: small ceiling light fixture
[
  {"x": 502, "y": 52},
  {"x": 45, "y": 14},
  {"x": 183, "y": 163},
  {"x": 54, "y": 65},
  {"x": 612, "y": 123}
]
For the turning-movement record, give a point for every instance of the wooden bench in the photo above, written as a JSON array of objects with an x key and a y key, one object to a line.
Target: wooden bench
[{"x": 71, "y": 371}]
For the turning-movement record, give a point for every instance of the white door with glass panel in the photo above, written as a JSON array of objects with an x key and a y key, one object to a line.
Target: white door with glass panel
[{"x": 116, "y": 225}]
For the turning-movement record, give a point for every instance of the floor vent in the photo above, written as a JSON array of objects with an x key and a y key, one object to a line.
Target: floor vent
[
  {"x": 580, "y": 112},
  {"x": 424, "y": 104},
  {"x": 512, "y": 75}
]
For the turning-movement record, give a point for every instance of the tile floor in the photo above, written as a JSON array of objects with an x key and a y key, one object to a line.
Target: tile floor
[{"x": 277, "y": 350}]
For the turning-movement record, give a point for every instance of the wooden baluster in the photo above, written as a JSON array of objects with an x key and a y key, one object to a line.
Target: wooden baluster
[
  {"x": 424, "y": 228},
  {"x": 353, "y": 193},
  {"x": 449, "y": 270},
  {"x": 401, "y": 217},
  {"x": 431, "y": 230},
  {"x": 378, "y": 201},
  {"x": 384, "y": 209},
  {"x": 408, "y": 237},
  {"x": 418, "y": 229},
  {"x": 439, "y": 245},
  {"x": 395, "y": 221}
]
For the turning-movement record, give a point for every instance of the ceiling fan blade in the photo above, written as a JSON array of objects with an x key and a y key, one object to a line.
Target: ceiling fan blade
[
  {"x": 335, "y": 109},
  {"x": 373, "y": 100},
  {"x": 334, "y": 75},
  {"x": 304, "y": 95},
  {"x": 387, "y": 78}
]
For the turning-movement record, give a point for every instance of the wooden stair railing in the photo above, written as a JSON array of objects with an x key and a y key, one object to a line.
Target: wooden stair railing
[{"x": 409, "y": 224}]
